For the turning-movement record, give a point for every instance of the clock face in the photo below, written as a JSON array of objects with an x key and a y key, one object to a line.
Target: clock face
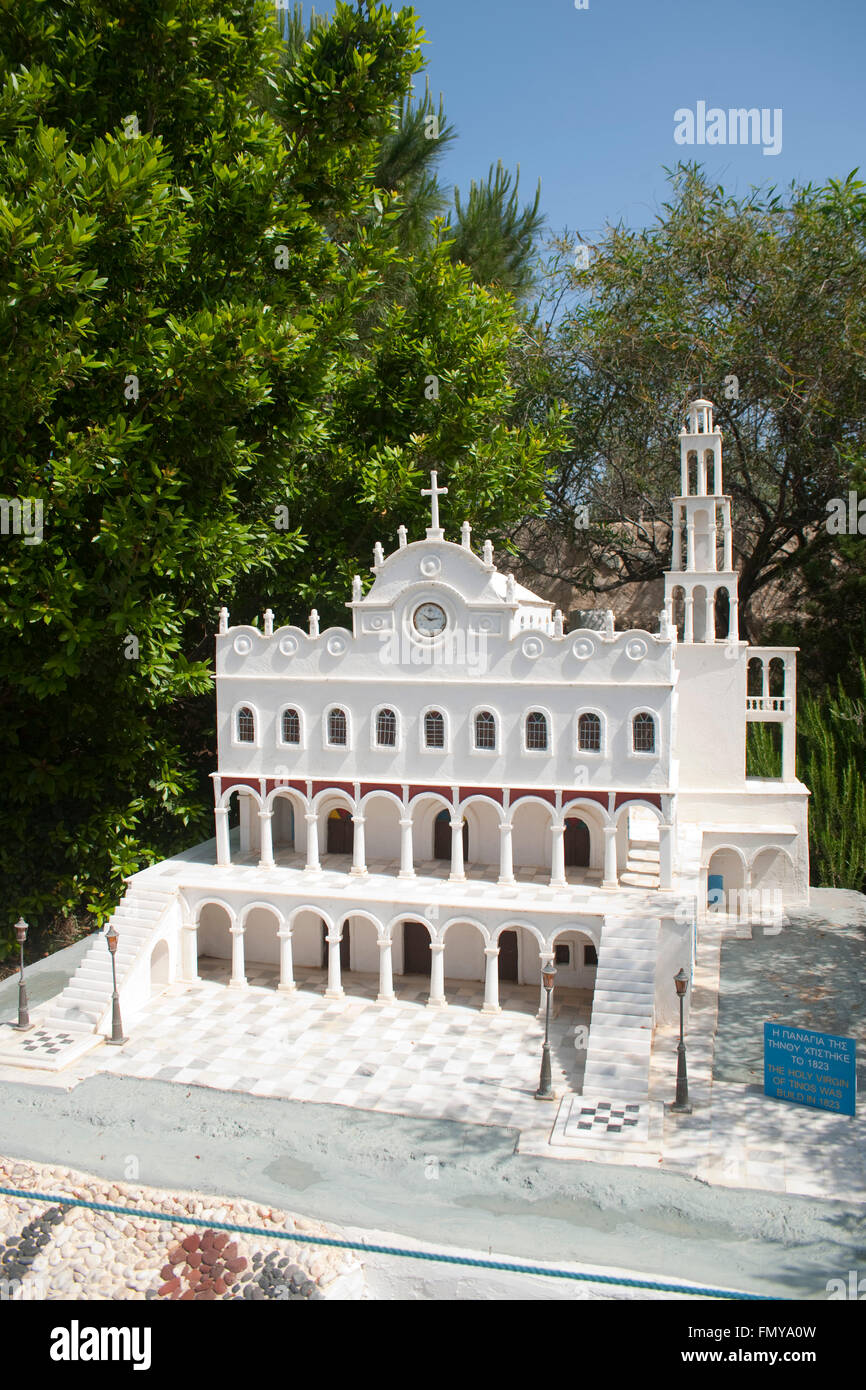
[{"x": 430, "y": 619}]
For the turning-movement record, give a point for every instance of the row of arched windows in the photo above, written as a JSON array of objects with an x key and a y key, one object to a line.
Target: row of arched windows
[{"x": 536, "y": 730}]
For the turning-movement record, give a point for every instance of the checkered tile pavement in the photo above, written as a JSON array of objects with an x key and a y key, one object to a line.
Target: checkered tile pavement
[
  {"x": 453, "y": 1063},
  {"x": 44, "y": 1042}
]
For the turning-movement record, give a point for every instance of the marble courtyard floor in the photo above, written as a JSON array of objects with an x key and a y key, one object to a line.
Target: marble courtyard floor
[{"x": 452, "y": 1063}]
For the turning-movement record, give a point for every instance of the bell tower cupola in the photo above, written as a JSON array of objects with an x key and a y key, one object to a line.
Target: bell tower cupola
[{"x": 701, "y": 584}]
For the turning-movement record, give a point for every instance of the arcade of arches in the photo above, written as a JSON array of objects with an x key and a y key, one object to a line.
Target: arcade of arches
[
  {"x": 360, "y": 953},
  {"x": 568, "y": 837}
]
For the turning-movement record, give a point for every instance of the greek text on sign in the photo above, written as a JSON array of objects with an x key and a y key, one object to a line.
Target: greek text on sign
[{"x": 818, "y": 1069}]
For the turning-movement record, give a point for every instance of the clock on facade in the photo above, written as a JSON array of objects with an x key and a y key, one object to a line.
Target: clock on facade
[{"x": 430, "y": 619}]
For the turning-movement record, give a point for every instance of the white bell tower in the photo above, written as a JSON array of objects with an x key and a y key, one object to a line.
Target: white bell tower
[{"x": 701, "y": 519}]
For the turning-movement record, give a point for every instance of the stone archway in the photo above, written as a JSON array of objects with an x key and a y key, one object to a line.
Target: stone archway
[
  {"x": 341, "y": 831},
  {"x": 576, "y": 842}
]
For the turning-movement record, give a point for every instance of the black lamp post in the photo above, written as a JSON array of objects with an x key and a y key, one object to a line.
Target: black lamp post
[
  {"x": 23, "y": 1012},
  {"x": 545, "y": 1090},
  {"x": 116, "y": 1026},
  {"x": 681, "y": 1104}
]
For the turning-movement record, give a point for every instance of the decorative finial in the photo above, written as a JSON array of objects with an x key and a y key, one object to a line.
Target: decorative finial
[
  {"x": 509, "y": 588},
  {"x": 488, "y": 554},
  {"x": 608, "y": 624},
  {"x": 378, "y": 555},
  {"x": 434, "y": 492},
  {"x": 357, "y": 594},
  {"x": 314, "y": 623},
  {"x": 466, "y": 536},
  {"x": 224, "y": 620},
  {"x": 401, "y": 536},
  {"x": 664, "y": 624},
  {"x": 269, "y": 622},
  {"x": 557, "y": 623}
]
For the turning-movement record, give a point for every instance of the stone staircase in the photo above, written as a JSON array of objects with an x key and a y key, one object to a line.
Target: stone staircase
[
  {"x": 84, "y": 1003},
  {"x": 642, "y": 864},
  {"x": 621, "y": 1027}
]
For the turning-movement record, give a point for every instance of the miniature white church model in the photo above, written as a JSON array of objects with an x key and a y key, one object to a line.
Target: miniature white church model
[{"x": 459, "y": 788}]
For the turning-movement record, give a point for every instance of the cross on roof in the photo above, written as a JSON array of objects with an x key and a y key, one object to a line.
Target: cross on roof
[{"x": 434, "y": 493}]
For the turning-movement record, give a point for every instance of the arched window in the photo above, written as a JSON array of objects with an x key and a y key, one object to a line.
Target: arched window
[
  {"x": 485, "y": 730},
  {"x": 589, "y": 733},
  {"x": 536, "y": 730},
  {"x": 291, "y": 726},
  {"x": 246, "y": 726},
  {"x": 386, "y": 728},
  {"x": 644, "y": 733},
  {"x": 337, "y": 726},
  {"x": 434, "y": 729}
]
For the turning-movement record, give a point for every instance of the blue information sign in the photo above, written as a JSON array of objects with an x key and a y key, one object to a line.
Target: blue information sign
[{"x": 818, "y": 1069}]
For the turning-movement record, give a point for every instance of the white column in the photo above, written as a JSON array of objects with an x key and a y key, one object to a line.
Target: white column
[
  {"x": 610, "y": 878},
  {"x": 312, "y": 841},
  {"x": 557, "y": 859},
  {"x": 457, "y": 872},
  {"x": 238, "y": 979},
  {"x": 710, "y": 634},
  {"x": 690, "y": 541},
  {"x": 491, "y": 980},
  {"x": 714, "y": 541},
  {"x": 728, "y": 538},
  {"x": 546, "y": 959},
  {"x": 335, "y": 987},
  {"x": 666, "y": 856},
  {"x": 386, "y": 973},
  {"x": 407, "y": 862},
  {"x": 223, "y": 843},
  {"x": 437, "y": 998},
  {"x": 266, "y": 853},
  {"x": 765, "y": 681},
  {"x": 689, "y": 625},
  {"x": 287, "y": 977},
  {"x": 359, "y": 865},
  {"x": 189, "y": 952},
  {"x": 506, "y": 861},
  {"x": 677, "y": 541}
]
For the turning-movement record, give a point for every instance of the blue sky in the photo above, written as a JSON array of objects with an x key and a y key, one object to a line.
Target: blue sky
[{"x": 585, "y": 99}]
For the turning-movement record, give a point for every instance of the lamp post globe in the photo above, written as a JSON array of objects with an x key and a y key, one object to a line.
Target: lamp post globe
[
  {"x": 545, "y": 1090},
  {"x": 23, "y": 1023},
  {"x": 117, "y": 1036},
  {"x": 681, "y": 1105}
]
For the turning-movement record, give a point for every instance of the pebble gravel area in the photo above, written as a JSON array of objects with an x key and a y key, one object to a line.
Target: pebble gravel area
[{"x": 54, "y": 1251}]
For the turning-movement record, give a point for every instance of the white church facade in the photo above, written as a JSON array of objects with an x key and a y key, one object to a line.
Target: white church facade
[{"x": 457, "y": 787}]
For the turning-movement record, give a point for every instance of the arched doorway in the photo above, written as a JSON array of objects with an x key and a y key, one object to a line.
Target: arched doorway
[
  {"x": 576, "y": 842},
  {"x": 341, "y": 831},
  {"x": 442, "y": 838},
  {"x": 508, "y": 955},
  {"x": 416, "y": 949}
]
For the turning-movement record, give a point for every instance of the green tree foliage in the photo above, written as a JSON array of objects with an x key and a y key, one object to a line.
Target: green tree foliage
[
  {"x": 831, "y": 760},
  {"x": 757, "y": 301},
  {"x": 186, "y": 389},
  {"x": 490, "y": 232}
]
